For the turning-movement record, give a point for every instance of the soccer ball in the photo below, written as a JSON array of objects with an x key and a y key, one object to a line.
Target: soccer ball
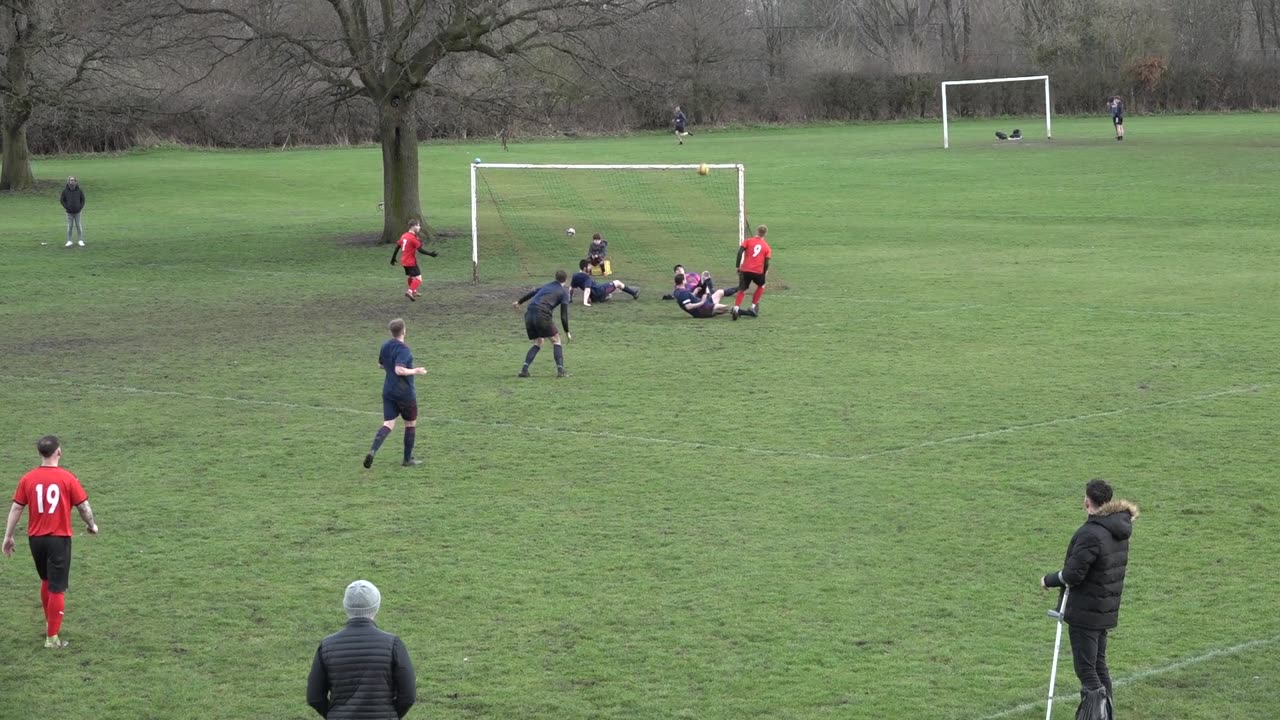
[
  {"x": 703, "y": 169},
  {"x": 570, "y": 232}
]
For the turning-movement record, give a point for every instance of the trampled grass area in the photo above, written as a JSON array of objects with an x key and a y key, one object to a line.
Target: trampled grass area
[{"x": 839, "y": 510}]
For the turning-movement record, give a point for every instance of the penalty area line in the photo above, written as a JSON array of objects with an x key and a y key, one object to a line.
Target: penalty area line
[
  {"x": 605, "y": 435},
  {"x": 1151, "y": 672}
]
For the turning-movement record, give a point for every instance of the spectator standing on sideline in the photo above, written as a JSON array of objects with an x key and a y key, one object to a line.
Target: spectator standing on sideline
[
  {"x": 1094, "y": 572},
  {"x": 360, "y": 671},
  {"x": 73, "y": 202},
  {"x": 49, "y": 493}
]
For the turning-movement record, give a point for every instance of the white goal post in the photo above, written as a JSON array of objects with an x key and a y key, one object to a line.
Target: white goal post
[
  {"x": 688, "y": 167},
  {"x": 1048, "y": 105}
]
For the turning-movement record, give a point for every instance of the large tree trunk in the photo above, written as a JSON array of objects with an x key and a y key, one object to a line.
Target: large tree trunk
[
  {"x": 398, "y": 131},
  {"x": 15, "y": 165}
]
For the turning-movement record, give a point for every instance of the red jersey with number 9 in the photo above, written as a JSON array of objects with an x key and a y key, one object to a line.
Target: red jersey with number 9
[
  {"x": 409, "y": 245},
  {"x": 49, "y": 493},
  {"x": 757, "y": 252}
]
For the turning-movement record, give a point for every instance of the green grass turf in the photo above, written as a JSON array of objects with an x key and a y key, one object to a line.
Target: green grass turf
[{"x": 839, "y": 510}]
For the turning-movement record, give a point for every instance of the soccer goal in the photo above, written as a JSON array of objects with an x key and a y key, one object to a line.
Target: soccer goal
[
  {"x": 1048, "y": 105},
  {"x": 653, "y": 217}
]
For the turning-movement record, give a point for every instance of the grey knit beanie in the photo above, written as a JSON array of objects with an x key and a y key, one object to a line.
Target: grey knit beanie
[{"x": 362, "y": 599}]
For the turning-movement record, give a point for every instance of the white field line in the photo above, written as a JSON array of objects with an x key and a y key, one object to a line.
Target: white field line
[
  {"x": 1144, "y": 674},
  {"x": 952, "y": 307},
  {"x": 1060, "y": 421},
  {"x": 644, "y": 438}
]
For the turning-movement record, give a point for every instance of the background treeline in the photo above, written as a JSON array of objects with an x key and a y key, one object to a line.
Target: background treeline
[{"x": 725, "y": 61}]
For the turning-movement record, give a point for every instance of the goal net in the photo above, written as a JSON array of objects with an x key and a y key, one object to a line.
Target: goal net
[
  {"x": 1048, "y": 106},
  {"x": 653, "y": 217}
]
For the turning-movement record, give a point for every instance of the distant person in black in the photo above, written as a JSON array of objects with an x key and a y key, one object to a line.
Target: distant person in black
[
  {"x": 681, "y": 123},
  {"x": 361, "y": 672},
  {"x": 1116, "y": 106},
  {"x": 538, "y": 321},
  {"x": 398, "y": 396}
]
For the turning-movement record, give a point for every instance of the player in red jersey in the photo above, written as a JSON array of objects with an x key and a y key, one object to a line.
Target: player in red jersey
[
  {"x": 753, "y": 265},
  {"x": 49, "y": 493},
  {"x": 408, "y": 246}
]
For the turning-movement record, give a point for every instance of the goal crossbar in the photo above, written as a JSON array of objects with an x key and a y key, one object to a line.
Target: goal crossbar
[
  {"x": 1048, "y": 107},
  {"x": 739, "y": 168}
]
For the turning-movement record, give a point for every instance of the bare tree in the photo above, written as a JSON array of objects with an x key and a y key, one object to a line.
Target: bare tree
[
  {"x": 389, "y": 52},
  {"x": 74, "y": 54}
]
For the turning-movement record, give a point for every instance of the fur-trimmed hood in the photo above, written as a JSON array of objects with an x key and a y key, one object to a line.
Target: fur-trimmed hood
[{"x": 1117, "y": 517}]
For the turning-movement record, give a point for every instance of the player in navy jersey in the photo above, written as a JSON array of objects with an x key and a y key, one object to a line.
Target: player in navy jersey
[
  {"x": 701, "y": 304},
  {"x": 398, "y": 396},
  {"x": 681, "y": 123},
  {"x": 539, "y": 323},
  {"x": 1116, "y": 106},
  {"x": 592, "y": 290}
]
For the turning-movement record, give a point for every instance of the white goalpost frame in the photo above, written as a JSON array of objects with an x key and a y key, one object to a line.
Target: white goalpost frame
[
  {"x": 1048, "y": 106},
  {"x": 475, "y": 227}
]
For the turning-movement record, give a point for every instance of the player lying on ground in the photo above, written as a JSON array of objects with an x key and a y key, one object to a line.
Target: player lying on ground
[
  {"x": 538, "y": 322},
  {"x": 592, "y": 290},
  {"x": 691, "y": 280},
  {"x": 410, "y": 243},
  {"x": 703, "y": 304}
]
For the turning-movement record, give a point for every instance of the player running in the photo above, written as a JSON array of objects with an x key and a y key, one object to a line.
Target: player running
[
  {"x": 539, "y": 324},
  {"x": 681, "y": 122},
  {"x": 753, "y": 265},
  {"x": 399, "y": 399},
  {"x": 408, "y": 246},
  {"x": 1116, "y": 106},
  {"x": 592, "y": 290}
]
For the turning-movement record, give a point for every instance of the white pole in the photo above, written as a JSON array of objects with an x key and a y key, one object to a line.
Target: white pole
[
  {"x": 475, "y": 231},
  {"x": 946, "y": 138},
  {"x": 742, "y": 205},
  {"x": 1048, "y": 110}
]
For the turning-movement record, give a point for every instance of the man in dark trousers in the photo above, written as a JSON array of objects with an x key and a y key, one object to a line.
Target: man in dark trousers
[
  {"x": 361, "y": 671},
  {"x": 1094, "y": 572},
  {"x": 73, "y": 202}
]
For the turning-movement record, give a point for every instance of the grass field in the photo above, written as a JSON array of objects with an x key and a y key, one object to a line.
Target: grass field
[{"x": 839, "y": 510}]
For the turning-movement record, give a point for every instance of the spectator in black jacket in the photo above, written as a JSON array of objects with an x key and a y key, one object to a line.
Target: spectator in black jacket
[
  {"x": 1094, "y": 572},
  {"x": 73, "y": 202},
  {"x": 361, "y": 672}
]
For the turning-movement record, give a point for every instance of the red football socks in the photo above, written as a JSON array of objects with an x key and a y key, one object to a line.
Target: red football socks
[
  {"x": 737, "y": 300},
  {"x": 44, "y": 594},
  {"x": 414, "y": 283},
  {"x": 53, "y": 613},
  {"x": 755, "y": 299}
]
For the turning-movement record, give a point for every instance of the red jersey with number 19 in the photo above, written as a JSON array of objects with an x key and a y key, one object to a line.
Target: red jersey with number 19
[
  {"x": 409, "y": 246},
  {"x": 49, "y": 493},
  {"x": 757, "y": 252}
]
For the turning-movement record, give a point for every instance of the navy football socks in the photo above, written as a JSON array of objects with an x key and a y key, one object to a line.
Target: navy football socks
[
  {"x": 410, "y": 435},
  {"x": 529, "y": 356},
  {"x": 558, "y": 351},
  {"x": 383, "y": 432}
]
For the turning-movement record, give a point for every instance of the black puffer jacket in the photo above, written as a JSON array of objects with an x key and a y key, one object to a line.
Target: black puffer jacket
[
  {"x": 1095, "y": 566},
  {"x": 361, "y": 673},
  {"x": 72, "y": 199}
]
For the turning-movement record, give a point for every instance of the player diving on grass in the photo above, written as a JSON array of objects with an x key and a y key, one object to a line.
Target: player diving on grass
[
  {"x": 689, "y": 280},
  {"x": 592, "y": 290},
  {"x": 539, "y": 323},
  {"x": 407, "y": 247},
  {"x": 700, "y": 301}
]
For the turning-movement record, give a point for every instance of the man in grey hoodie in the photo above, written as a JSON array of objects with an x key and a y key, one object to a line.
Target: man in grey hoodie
[{"x": 73, "y": 202}]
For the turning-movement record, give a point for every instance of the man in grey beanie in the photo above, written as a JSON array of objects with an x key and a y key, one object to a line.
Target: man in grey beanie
[{"x": 360, "y": 671}]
